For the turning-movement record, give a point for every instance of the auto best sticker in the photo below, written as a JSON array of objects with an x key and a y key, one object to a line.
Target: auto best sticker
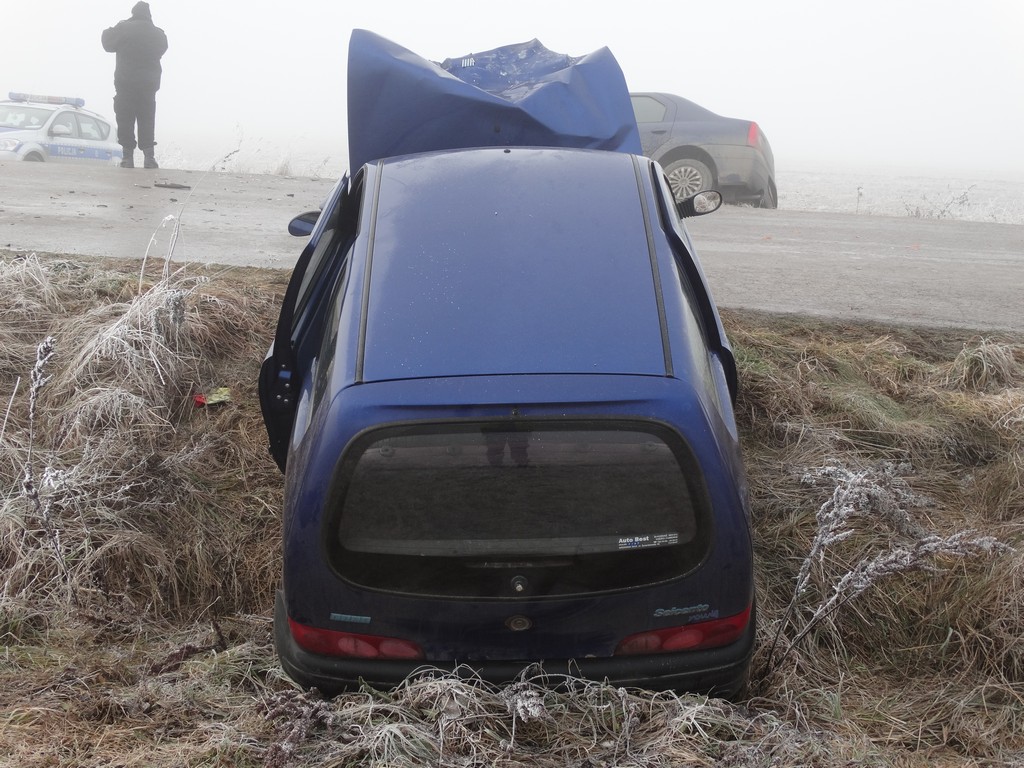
[{"x": 648, "y": 540}]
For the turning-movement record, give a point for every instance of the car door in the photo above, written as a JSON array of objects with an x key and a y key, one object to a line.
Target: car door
[
  {"x": 92, "y": 143},
  {"x": 62, "y": 137},
  {"x": 654, "y": 119},
  {"x": 300, "y": 325},
  {"x": 696, "y": 285}
]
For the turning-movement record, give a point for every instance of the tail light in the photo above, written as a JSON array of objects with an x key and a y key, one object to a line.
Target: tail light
[
  {"x": 328, "y": 642},
  {"x": 690, "y": 637},
  {"x": 753, "y": 135}
]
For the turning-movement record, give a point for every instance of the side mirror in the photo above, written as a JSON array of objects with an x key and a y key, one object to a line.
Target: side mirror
[
  {"x": 60, "y": 130},
  {"x": 700, "y": 204},
  {"x": 302, "y": 225}
]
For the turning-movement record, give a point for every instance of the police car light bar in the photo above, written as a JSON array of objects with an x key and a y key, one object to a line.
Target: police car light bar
[{"x": 69, "y": 100}]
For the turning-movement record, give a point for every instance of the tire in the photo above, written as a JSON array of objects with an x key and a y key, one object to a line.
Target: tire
[
  {"x": 687, "y": 177},
  {"x": 769, "y": 198},
  {"x": 33, "y": 158}
]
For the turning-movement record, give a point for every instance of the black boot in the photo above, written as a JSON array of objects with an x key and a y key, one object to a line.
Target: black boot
[
  {"x": 127, "y": 161},
  {"x": 150, "y": 161}
]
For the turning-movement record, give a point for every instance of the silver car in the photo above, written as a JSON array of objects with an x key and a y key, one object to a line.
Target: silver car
[
  {"x": 700, "y": 150},
  {"x": 55, "y": 128}
]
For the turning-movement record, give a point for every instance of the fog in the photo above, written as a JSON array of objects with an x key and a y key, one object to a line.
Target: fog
[{"x": 885, "y": 87}]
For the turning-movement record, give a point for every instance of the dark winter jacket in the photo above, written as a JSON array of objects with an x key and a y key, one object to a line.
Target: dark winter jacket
[{"x": 139, "y": 44}]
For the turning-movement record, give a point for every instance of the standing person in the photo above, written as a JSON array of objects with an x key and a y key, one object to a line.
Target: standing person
[{"x": 139, "y": 44}]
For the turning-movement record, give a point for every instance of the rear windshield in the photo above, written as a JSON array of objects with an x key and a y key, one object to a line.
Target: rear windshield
[{"x": 491, "y": 510}]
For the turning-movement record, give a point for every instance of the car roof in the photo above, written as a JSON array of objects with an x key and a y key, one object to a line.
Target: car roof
[
  {"x": 28, "y": 103},
  {"x": 52, "y": 107},
  {"x": 511, "y": 261}
]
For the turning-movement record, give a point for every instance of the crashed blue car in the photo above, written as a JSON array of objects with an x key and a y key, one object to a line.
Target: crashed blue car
[{"x": 502, "y": 398}]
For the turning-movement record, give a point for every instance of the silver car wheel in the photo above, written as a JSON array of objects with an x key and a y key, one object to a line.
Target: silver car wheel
[{"x": 687, "y": 178}]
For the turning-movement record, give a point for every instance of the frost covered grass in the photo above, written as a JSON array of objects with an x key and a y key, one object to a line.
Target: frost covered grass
[
  {"x": 248, "y": 155},
  {"x": 964, "y": 198},
  {"x": 140, "y": 544},
  {"x": 104, "y": 440}
]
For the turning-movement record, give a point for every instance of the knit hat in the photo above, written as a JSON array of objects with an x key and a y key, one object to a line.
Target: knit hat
[{"x": 141, "y": 11}]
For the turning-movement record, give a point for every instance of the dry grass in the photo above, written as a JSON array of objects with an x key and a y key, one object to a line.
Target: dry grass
[
  {"x": 150, "y": 497},
  {"x": 139, "y": 542}
]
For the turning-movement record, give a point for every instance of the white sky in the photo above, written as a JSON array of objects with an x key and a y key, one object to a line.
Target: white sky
[{"x": 934, "y": 87}]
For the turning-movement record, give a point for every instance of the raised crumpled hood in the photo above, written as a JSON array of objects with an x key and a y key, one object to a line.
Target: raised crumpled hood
[{"x": 517, "y": 95}]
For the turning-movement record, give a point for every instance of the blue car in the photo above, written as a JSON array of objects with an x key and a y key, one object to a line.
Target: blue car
[{"x": 503, "y": 401}]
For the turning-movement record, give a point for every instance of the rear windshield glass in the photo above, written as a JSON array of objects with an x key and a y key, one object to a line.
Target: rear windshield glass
[{"x": 493, "y": 511}]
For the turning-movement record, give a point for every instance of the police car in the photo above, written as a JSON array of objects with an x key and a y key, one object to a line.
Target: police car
[{"x": 55, "y": 128}]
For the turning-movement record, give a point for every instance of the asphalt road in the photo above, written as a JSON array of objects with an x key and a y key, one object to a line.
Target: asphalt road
[
  {"x": 905, "y": 271},
  {"x": 107, "y": 211}
]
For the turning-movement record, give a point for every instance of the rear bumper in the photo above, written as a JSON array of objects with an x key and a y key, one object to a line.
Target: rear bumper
[
  {"x": 743, "y": 173},
  {"x": 719, "y": 672}
]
